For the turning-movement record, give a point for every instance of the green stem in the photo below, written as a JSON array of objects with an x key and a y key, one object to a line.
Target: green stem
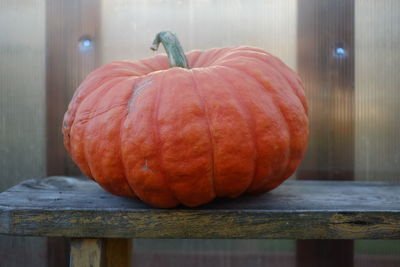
[{"x": 176, "y": 56}]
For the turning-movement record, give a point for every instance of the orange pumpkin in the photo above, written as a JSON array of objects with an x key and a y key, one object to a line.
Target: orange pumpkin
[{"x": 216, "y": 123}]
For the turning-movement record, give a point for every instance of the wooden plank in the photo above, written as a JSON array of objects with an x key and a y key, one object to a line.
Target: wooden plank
[
  {"x": 59, "y": 206},
  {"x": 329, "y": 253},
  {"x": 118, "y": 252},
  {"x": 86, "y": 252},
  {"x": 58, "y": 249},
  {"x": 101, "y": 252}
]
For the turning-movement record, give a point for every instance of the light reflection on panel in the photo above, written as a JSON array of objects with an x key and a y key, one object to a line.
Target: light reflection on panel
[
  {"x": 377, "y": 42},
  {"x": 326, "y": 65}
]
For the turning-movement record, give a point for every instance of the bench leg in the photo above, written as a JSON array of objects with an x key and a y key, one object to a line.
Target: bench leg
[{"x": 105, "y": 252}]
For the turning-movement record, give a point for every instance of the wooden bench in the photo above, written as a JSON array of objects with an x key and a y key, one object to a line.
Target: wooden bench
[{"x": 102, "y": 225}]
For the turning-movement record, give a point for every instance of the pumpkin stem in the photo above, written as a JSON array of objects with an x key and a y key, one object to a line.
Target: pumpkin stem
[{"x": 176, "y": 56}]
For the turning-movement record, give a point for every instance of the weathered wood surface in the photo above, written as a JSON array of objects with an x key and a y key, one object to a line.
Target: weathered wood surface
[
  {"x": 118, "y": 252},
  {"x": 101, "y": 252},
  {"x": 70, "y": 207},
  {"x": 86, "y": 252}
]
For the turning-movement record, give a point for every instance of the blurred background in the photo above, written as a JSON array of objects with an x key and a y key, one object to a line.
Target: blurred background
[{"x": 347, "y": 53}]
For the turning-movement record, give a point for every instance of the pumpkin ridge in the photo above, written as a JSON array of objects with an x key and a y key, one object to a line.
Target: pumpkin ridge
[
  {"x": 250, "y": 119},
  {"x": 136, "y": 80},
  {"x": 281, "y": 65},
  {"x": 126, "y": 76},
  {"x": 229, "y": 135},
  {"x": 156, "y": 63},
  {"x": 199, "y": 60},
  {"x": 193, "y": 56},
  {"x": 282, "y": 78},
  {"x": 77, "y": 99},
  {"x": 130, "y": 80},
  {"x": 231, "y": 51},
  {"x": 84, "y": 137},
  {"x": 98, "y": 113},
  {"x": 278, "y": 72},
  {"x": 156, "y": 129},
  {"x": 277, "y": 103},
  {"x": 203, "y": 103},
  {"x": 120, "y": 150},
  {"x": 283, "y": 75},
  {"x": 103, "y": 77},
  {"x": 214, "y": 55},
  {"x": 93, "y": 76},
  {"x": 209, "y": 56},
  {"x": 292, "y": 84},
  {"x": 127, "y": 110},
  {"x": 111, "y": 180},
  {"x": 143, "y": 61},
  {"x": 120, "y": 64},
  {"x": 81, "y": 144},
  {"x": 272, "y": 103},
  {"x": 77, "y": 102}
]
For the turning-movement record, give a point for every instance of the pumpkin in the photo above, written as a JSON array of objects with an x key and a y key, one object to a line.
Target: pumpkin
[{"x": 216, "y": 123}]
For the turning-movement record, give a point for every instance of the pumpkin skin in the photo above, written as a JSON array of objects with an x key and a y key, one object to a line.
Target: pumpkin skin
[{"x": 234, "y": 123}]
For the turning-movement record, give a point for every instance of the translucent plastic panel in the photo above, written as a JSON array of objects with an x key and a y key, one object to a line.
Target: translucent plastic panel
[
  {"x": 213, "y": 253},
  {"x": 377, "y": 66},
  {"x": 129, "y": 27},
  {"x": 376, "y": 253},
  {"x": 22, "y": 113},
  {"x": 22, "y": 90},
  {"x": 377, "y": 136}
]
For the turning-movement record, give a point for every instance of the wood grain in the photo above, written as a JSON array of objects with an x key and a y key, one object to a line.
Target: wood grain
[
  {"x": 101, "y": 252},
  {"x": 70, "y": 207},
  {"x": 118, "y": 252},
  {"x": 86, "y": 252}
]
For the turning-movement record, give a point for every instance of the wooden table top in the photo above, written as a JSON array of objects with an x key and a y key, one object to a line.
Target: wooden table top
[{"x": 72, "y": 207}]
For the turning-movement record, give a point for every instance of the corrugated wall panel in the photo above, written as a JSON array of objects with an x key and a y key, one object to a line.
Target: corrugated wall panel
[
  {"x": 22, "y": 113},
  {"x": 377, "y": 42}
]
